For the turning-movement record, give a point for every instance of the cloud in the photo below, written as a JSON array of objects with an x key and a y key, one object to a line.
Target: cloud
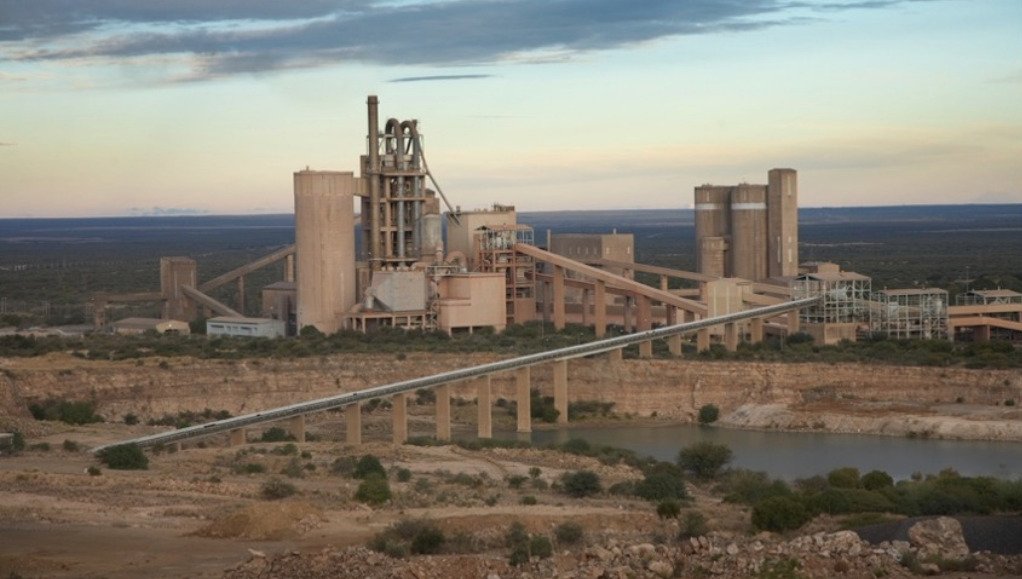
[
  {"x": 232, "y": 37},
  {"x": 3, "y": 144},
  {"x": 153, "y": 211},
  {"x": 440, "y": 77}
]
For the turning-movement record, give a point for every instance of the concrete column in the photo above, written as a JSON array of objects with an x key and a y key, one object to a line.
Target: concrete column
[
  {"x": 756, "y": 331},
  {"x": 558, "y": 298},
  {"x": 289, "y": 268},
  {"x": 523, "y": 384},
  {"x": 703, "y": 340},
  {"x": 731, "y": 336},
  {"x": 674, "y": 345},
  {"x": 600, "y": 309},
  {"x": 484, "y": 400},
  {"x": 616, "y": 355},
  {"x": 561, "y": 390},
  {"x": 296, "y": 427},
  {"x": 237, "y": 437},
  {"x": 174, "y": 447},
  {"x": 241, "y": 294},
  {"x": 399, "y": 418},
  {"x": 663, "y": 283},
  {"x": 981, "y": 333},
  {"x": 353, "y": 423},
  {"x": 443, "y": 412},
  {"x": 585, "y": 307},
  {"x": 644, "y": 322},
  {"x": 627, "y": 317},
  {"x": 793, "y": 322},
  {"x": 672, "y": 315}
]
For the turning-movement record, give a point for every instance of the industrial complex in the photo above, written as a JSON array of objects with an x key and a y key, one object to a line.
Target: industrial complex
[{"x": 411, "y": 259}]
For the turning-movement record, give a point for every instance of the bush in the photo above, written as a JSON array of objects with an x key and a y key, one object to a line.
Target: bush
[
  {"x": 876, "y": 480},
  {"x": 428, "y": 540},
  {"x": 576, "y": 446},
  {"x": 779, "y": 514},
  {"x": 708, "y": 414},
  {"x": 844, "y": 478},
  {"x": 17, "y": 442},
  {"x": 668, "y": 509},
  {"x": 540, "y": 546},
  {"x": 40, "y": 446},
  {"x": 93, "y": 471},
  {"x": 515, "y": 481},
  {"x": 71, "y": 446},
  {"x": 419, "y": 536},
  {"x": 529, "y": 500},
  {"x": 704, "y": 459},
  {"x": 839, "y": 501},
  {"x": 368, "y": 466},
  {"x": 581, "y": 483},
  {"x": 250, "y": 468},
  {"x": 373, "y": 491},
  {"x": 124, "y": 457},
  {"x": 275, "y": 434},
  {"x": 276, "y": 488},
  {"x": 569, "y": 533},
  {"x": 130, "y": 419},
  {"x": 662, "y": 484},
  {"x": 750, "y": 487},
  {"x": 65, "y": 411},
  {"x": 534, "y": 472},
  {"x": 404, "y": 475},
  {"x": 693, "y": 524}
]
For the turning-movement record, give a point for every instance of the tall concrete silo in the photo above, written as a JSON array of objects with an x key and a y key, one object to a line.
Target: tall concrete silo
[
  {"x": 325, "y": 247},
  {"x": 782, "y": 217},
  {"x": 712, "y": 220},
  {"x": 749, "y": 231}
]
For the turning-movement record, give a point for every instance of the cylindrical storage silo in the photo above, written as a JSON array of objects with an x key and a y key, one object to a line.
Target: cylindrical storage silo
[
  {"x": 748, "y": 249},
  {"x": 711, "y": 256},
  {"x": 711, "y": 217},
  {"x": 325, "y": 248}
]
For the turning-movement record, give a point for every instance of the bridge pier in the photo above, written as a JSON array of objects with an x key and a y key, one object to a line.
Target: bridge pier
[
  {"x": 241, "y": 294},
  {"x": 585, "y": 307},
  {"x": 616, "y": 355},
  {"x": 558, "y": 297},
  {"x": 399, "y": 418},
  {"x": 296, "y": 427},
  {"x": 443, "y": 412},
  {"x": 663, "y": 283},
  {"x": 289, "y": 268},
  {"x": 523, "y": 385},
  {"x": 703, "y": 340},
  {"x": 600, "y": 309},
  {"x": 731, "y": 337},
  {"x": 353, "y": 424},
  {"x": 237, "y": 437},
  {"x": 674, "y": 341},
  {"x": 485, "y": 403},
  {"x": 626, "y": 317},
  {"x": 793, "y": 322},
  {"x": 756, "y": 330},
  {"x": 644, "y": 323},
  {"x": 174, "y": 447},
  {"x": 561, "y": 390}
]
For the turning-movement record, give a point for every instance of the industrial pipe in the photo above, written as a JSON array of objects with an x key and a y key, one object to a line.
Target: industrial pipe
[{"x": 374, "y": 182}]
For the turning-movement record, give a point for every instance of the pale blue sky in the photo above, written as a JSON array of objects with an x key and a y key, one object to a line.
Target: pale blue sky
[{"x": 107, "y": 106}]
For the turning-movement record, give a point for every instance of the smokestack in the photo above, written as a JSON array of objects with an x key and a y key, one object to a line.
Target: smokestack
[{"x": 374, "y": 181}]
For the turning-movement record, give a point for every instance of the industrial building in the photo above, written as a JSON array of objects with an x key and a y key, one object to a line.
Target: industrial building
[{"x": 748, "y": 231}]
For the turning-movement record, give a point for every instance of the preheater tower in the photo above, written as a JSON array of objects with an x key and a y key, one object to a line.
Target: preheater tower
[
  {"x": 324, "y": 247},
  {"x": 782, "y": 215}
]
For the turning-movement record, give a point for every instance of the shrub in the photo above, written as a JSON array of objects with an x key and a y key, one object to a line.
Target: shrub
[
  {"x": 17, "y": 442},
  {"x": 534, "y": 472},
  {"x": 576, "y": 446},
  {"x": 65, "y": 411},
  {"x": 124, "y": 457},
  {"x": 515, "y": 481},
  {"x": 71, "y": 446},
  {"x": 779, "y": 514},
  {"x": 529, "y": 500},
  {"x": 40, "y": 446},
  {"x": 704, "y": 459},
  {"x": 288, "y": 449},
  {"x": 404, "y": 475},
  {"x": 668, "y": 509},
  {"x": 569, "y": 533},
  {"x": 516, "y": 535},
  {"x": 368, "y": 466},
  {"x": 844, "y": 478},
  {"x": 343, "y": 466},
  {"x": 373, "y": 491},
  {"x": 839, "y": 501},
  {"x": 708, "y": 414},
  {"x": 275, "y": 434},
  {"x": 519, "y": 555},
  {"x": 693, "y": 524},
  {"x": 662, "y": 482},
  {"x": 750, "y": 487},
  {"x": 93, "y": 471},
  {"x": 582, "y": 483},
  {"x": 540, "y": 546},
  {"x": 250, "y": 468},
  {"x": 293, "y": 469},
  {"x": 276, "y": 488},
  {"x": 428, "y": 540},
  {"x": 130, "y": 419},
  {"x": 876, "y": 480}
]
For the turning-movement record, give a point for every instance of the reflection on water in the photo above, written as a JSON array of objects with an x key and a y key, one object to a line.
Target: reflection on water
[{"x": 793, "y": 455}]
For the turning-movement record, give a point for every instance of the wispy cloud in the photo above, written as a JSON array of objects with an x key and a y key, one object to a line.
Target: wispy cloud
[
  {"x": 253, "y": 36},
  {"x": 4, "y": 144},
  {"x": 438, "y": 77},
  {"x": 150, "y": 211}
]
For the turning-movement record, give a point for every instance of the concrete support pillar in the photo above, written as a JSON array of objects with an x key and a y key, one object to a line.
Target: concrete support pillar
[
  {"x": 981, "y": 333},
  {"x": 756, "y": 330},
  {"x": 353, "y": 423},
  {"x": 561, "y": 390},
  {"x": 237, "y": 437},
  {"x": 672, "y": 315},
  {"x": 174, "y": 447},
  {"x": 241, "y": 294},
  {"x": 523, "y": 384},
  {"x": 731, "y": 336},
  {"x": 600, "y": 309},
  {"x": 289, "y": 268},
  {"x": 296, "y": 427},
  {"x": 793, "y": 322},
  {"x": 644, "y": 322},
  {"x": 627, "y": 317},
  {"x": 674, "y": 345},
  {"x": 399, "y": 418},
  {"x": 703, "y": 340},
  {"x": 484, "y": 400},
  {"x": 558, "y": 297},
  {"x": 585, "y": 307},
  {"x": 443, "y": 412},
  {"x": 663, "y": 283},
  {"x": 616, "y": 355}
]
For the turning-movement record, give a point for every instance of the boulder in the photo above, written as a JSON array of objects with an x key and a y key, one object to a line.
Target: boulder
[{"x": 939, "y": 537}]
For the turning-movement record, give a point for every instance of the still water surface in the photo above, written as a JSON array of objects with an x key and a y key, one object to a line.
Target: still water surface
[{"x": 792, "y": 455}]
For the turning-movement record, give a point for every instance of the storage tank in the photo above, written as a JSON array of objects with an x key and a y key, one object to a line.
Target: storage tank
[
  {"x": 711, "y": 217},
  {"x": 748, "y": 232},
  {"x": 324, "y": 247},
  {"x": 711, "y": 256}
]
